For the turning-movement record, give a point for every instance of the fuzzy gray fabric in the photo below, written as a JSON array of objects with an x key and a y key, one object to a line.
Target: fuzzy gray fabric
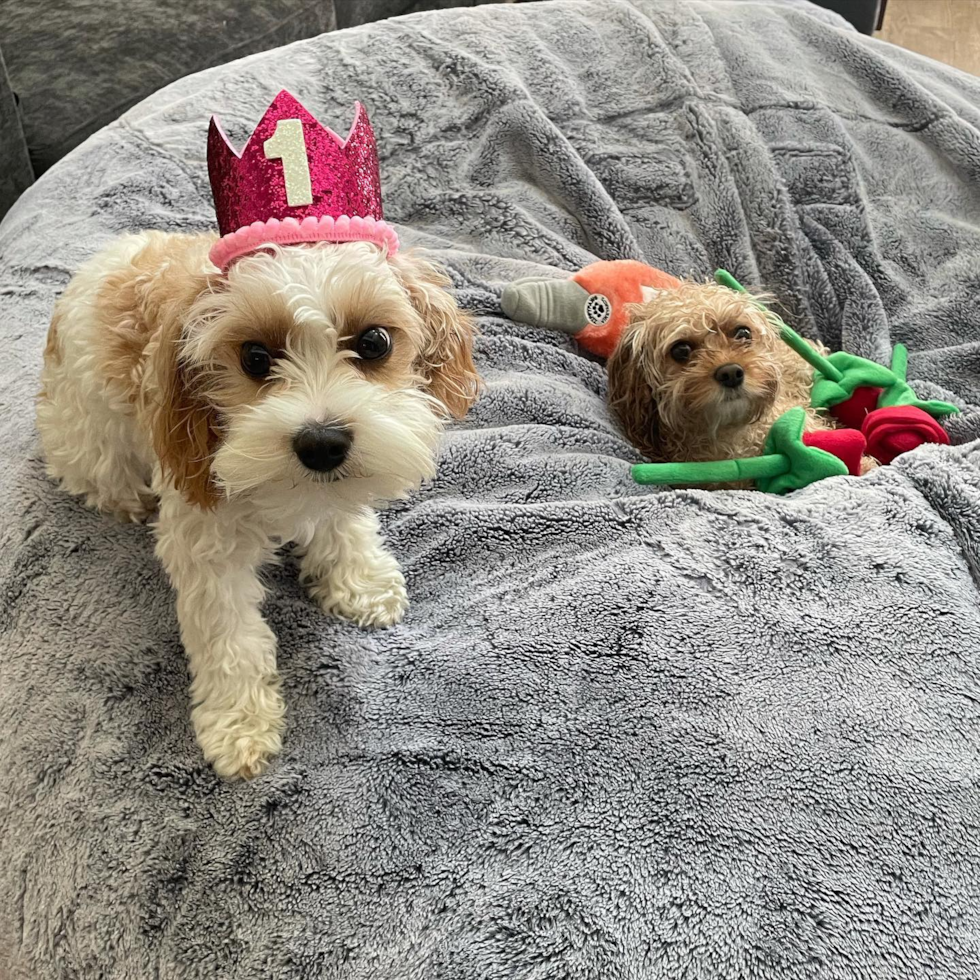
[{"x": 621, "y": 734}]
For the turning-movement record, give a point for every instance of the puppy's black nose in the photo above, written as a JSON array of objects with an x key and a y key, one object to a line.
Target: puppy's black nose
[
  {"x": 321, "y": 447},
  {"x": 730, "y": 375}
]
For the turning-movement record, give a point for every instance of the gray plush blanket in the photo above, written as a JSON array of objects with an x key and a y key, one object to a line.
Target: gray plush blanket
[{"x": 622, "y": 733}]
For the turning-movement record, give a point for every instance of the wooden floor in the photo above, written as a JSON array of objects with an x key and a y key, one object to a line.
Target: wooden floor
[{"x": 947, "y": 30}]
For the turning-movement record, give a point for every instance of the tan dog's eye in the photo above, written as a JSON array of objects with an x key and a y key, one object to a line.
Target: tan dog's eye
[
  {"x": 682, "y": 351},
  {"x": 256, "y": 360},
  {"x": 742, "y": 333},
  {"x": 373, "y": 343}
]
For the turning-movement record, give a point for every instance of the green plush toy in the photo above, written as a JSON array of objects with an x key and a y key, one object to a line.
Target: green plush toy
[{"x": 787, "y": 462}]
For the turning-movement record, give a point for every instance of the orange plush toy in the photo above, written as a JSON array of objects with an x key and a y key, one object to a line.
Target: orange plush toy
[{"x": 591, "y": 306}]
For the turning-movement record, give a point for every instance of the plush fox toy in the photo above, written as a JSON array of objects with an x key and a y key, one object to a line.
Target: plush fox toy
[{"x": 591, "y": 305}]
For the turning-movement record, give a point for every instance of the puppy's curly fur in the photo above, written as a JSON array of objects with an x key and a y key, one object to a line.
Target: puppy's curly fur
[
  {"x": 148, "y": 394},
  {"x": 700, "y": 373}
]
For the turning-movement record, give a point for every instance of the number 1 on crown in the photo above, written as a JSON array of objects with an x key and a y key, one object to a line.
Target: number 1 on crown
[{"x": 288, "y": 144}]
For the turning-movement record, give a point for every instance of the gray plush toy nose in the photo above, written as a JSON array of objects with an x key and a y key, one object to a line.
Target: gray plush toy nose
[{"x": 555, "y": 303}]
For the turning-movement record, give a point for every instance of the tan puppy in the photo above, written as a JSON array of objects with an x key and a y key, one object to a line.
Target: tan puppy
[{"x": 279, "y": 401}]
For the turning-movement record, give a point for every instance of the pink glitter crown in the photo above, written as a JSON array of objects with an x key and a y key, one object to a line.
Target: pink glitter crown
[{"x": 296, "y": 181}]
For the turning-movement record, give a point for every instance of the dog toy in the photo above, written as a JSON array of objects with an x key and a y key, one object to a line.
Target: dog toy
[
  {"x": 591, "y": 305},
  {"x": 791, "y": 459},
  {"x": 296, "y": 181}
]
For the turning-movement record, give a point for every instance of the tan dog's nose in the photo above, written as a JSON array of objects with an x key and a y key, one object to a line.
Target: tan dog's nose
[{"x": 730, "y": 375}]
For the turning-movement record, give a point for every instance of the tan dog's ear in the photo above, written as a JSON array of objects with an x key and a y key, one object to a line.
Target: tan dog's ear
[
  {"x": 631, "y": 398},
  {"x": 446, "y": 356}
]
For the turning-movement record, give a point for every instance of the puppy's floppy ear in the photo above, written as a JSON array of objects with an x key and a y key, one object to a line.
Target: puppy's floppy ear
[
  {"x": 166, "y": 277},
  {"x": 446, "y": 356},
  {"x": 631, "y": 398},
  {"x": 184, "y": 425}
]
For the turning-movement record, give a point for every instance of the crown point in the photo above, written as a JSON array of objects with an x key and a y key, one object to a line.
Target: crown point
[{"x": 285, "y": 100}]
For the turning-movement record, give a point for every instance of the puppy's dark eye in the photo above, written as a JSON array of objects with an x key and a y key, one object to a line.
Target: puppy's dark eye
[
  {"x": 256, "y": 360},
  {"x": 682, "y": 351},
  {"x": 373, "y": 344},
  {"x": 742, "y": 333}
]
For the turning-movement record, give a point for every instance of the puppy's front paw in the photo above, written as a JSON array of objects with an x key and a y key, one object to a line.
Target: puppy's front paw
[
  {"x": 241, "y": 738},
  {"x": 133, "y": 507},
  {"x": 370, "y": 594}
]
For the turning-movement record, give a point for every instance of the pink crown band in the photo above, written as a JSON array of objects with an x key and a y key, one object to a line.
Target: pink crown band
[{"x": 289, "y": 231}]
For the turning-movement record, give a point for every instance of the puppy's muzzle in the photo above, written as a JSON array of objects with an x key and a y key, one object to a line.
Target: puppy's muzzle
[
  {"x": 322, "y": 448},
  {"x": 730, "y": 376}
]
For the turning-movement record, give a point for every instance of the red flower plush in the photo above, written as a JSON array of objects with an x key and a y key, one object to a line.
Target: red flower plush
[
  {"x": 853, "y": 412},
  {"x": 848, "y": 445},
  {"x": 896, "y": 430}
]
